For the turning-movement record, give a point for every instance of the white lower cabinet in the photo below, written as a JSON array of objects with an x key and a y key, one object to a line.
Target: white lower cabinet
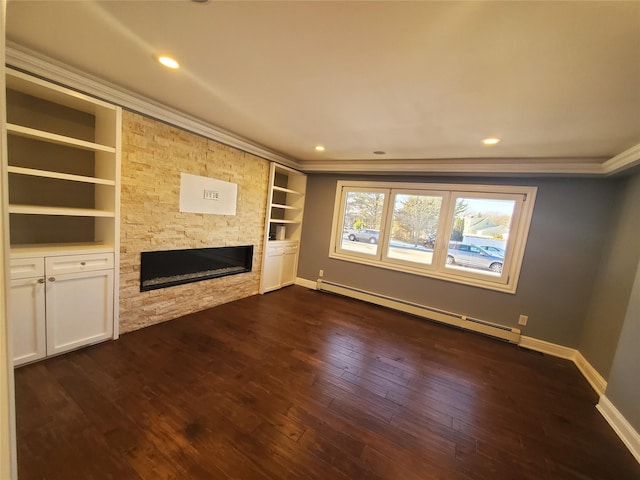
[
  {"x": 26, "y": 313},
  {"x": 79, "y": 310},
  {"x": 289, "y": 265},
  {"x": 272, "y": 268},
  {"x": 66, "y": 303},
  {"x": 280, "y": 265}
]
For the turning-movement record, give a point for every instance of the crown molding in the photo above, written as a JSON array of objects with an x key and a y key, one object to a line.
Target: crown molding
[
  {"x": 627, "y": 159},
  {"x": 32, "y": 62},
  {"x": 511, "y": 167},
  {"x": 37, "y": 64}
]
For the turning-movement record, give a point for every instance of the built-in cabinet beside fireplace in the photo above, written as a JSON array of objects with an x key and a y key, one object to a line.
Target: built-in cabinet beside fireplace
[
  {"x": 285, "y": 209},
  {"x": 63, "y": 175},
  {"x": 59, "y": 302},
  {"x": 280, "y": 264}
]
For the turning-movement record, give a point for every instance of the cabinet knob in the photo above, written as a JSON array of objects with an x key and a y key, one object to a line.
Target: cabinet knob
[
  {"x": 52, "y": 279},
  {"x": 41, "y": 280}
]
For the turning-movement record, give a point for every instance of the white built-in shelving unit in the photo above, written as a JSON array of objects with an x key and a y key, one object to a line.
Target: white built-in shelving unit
[
  {"x": 63, "y": 168},
  {"x": 285, "y": 209}
]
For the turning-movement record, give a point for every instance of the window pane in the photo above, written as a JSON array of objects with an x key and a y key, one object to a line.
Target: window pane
[
  {"x": 479, "y": 235},
  {"x": 362, "y": 218},
  {"x": 414, "y": 226}
]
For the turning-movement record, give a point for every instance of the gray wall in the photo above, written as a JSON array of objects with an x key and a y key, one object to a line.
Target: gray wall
[
  {"x": 570, "y": 227},
  {"x": 623, "y": 389},
  {"x": 608, "y": 304}
]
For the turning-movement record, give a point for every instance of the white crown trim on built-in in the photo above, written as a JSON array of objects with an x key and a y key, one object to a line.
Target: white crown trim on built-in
[{"x": 629, "y": 436}]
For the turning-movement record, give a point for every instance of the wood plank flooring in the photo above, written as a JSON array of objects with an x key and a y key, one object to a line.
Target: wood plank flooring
[{"x": 298, "y": 384}]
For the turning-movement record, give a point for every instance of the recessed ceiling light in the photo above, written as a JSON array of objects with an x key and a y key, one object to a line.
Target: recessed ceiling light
[
  {"x": 380, "y": 152},
  {"x": 168, "y": 62},
  {"x": 319, "y": 148},
  {"x": 491, "y": 141}
]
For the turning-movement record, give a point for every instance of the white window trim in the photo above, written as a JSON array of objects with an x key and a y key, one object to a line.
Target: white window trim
[
  {"x": 519, "y": 231},
  {"x": 340, "y": 195},
  {"x": 404, "y": 264}
]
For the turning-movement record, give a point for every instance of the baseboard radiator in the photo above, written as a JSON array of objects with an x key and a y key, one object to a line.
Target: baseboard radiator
[{"x": 461, "y": 321}]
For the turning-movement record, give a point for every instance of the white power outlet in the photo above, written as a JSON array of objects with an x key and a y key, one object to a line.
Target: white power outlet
[
  {"x": 211, "y": 195},
  {"x": 321, "y": 273},
  {"x": 523, "y": 320}
]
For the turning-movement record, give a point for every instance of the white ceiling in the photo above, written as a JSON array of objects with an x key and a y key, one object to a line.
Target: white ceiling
[{"x": 424, "y": 82}]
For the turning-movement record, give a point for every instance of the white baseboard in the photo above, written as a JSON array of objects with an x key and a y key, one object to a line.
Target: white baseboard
[
  {"x": 629, "y": 436},
  {"x": 597, "y": 382},
  {"x": 303, "y": 282},
  {"x": 548, "y": 348},
  {"x": 594, "y": 378}
]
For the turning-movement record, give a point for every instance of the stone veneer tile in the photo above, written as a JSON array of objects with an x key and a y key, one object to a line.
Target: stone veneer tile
[{"x": 153, "y": 156}]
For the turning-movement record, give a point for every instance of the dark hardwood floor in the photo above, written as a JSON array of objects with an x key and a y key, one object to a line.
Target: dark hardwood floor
[{"x": 298, "y": 384}]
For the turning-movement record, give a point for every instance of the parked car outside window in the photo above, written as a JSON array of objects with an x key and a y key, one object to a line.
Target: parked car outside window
[
  {"x": 490, "y": 249},
  {"x": 365, "y": 235},
  {"x": 473, "y": 256}
]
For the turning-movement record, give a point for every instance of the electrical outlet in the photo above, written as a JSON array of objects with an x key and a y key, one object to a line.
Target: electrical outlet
[
  {"x": 321, "y": 273},
  {"x": 523, "y": 320},
  {"x": 211, "y": 195}
]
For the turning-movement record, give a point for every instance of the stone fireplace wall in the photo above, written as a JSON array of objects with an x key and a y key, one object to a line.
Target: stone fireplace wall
[{"x": 153, "y": 156}]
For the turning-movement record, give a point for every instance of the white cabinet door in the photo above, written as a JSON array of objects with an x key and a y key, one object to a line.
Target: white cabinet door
[
  {"x": 272, "y": 269},
  {"x": 280, "y": 264},
  {"x": 288, "y": 273},
  {"x": 79, "y": 309},
  {"x": 26, "y": 313}
]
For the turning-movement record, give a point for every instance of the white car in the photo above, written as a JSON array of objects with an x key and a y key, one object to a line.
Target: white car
[
  {"x": 491, "y": 250},
  {"x": 365, "y": 235},
  {"x": 473, "y": 256}
]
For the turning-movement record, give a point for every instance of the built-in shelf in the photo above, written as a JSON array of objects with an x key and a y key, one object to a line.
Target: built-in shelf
[
  {"x": 57, "y": 139},
  {"x": 69, "y": 212},
  {"x": 286, "y": 190},
  {"x": 286, "y": 207},
  {"x": 59, "y": 176},
  {"x": 76, "y": 248},
  {"x": 282, "y": 220}
]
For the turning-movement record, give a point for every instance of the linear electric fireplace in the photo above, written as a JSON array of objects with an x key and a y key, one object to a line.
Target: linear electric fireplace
[{"x": 174, "y": 267}]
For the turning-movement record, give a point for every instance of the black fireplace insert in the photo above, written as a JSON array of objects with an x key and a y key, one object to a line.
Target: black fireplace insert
[{"x": 168, "y": 268}]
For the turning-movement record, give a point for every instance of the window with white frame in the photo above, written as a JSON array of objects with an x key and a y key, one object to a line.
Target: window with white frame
[{"x": 472, "y": 234}]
